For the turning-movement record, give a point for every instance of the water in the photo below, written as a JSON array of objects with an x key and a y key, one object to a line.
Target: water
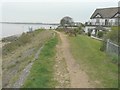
[{"x": 14, "y": 29}]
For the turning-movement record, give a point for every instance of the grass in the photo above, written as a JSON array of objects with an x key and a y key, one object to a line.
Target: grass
[
  {"x": 115, "y": 27},
  {"x": 19, "y": 57},
  {"x": 19, "y": 41},
  {"x": 41, "y": 74},
  {"x": 97, "y": 64}
]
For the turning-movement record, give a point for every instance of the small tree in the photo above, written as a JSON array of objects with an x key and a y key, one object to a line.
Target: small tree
[{"x": 66, "y": 21}]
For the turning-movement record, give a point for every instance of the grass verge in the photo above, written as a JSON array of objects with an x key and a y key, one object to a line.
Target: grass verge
[
  {"x": 17, "y": 42},
  {"x": 97, "y": 64},
  {"x": 41, "y": 74},
  {"x": 15, "y": 61}
]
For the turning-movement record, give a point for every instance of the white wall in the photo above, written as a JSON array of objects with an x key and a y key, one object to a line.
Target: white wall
[
  {"x": 102, "y": 21},
  {"x": 92, "y": 27},
  {"x": 88, "y": 27}
]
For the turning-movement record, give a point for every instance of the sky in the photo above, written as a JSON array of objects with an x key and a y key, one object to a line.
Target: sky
[{"x": 50, "y": 11}]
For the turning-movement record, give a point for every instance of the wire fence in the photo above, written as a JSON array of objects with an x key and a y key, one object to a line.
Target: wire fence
[{"x": 112, "y": 48}]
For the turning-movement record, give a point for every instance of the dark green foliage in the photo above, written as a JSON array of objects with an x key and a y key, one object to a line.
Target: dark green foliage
[
  {"x": 113, "y": 35},
  {"x": 66, "y": 21},
  {"x": 100, "y": 34},
  {"x": 79, "y": 30},
  {"x": 89, "y": 33},
  {"x": 103, "y": 45}
]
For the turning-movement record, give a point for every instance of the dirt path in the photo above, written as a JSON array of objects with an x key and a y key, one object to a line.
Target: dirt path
[
  {"x": 76, "y": 77},
  {"x": 61, "y": 72}
]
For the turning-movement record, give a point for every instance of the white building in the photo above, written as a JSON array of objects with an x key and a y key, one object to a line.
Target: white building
[{"x": 105, "y": 17}]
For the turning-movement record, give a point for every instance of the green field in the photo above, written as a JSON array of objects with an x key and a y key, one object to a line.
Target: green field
[
  {"x": 42, "y": 72},
  {"x": 97, "y": 64}
]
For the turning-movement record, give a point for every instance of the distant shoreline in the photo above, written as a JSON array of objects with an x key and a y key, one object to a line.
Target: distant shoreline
[
  {"x": 20, "y": 27},
  {"x": 29, "y": 23},
  {"x": 16, "y": 35}
]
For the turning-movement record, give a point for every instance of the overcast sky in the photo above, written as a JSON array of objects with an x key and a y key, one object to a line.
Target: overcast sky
[{"x": 50, "y": 11}]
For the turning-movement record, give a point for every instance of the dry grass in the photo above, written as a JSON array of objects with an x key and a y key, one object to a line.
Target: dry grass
[
  {"x": 42, "y": 71},
  {"x": 16, "y": 60}
]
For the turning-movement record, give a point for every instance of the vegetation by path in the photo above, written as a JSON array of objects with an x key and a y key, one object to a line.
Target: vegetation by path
[
  {"x": 97, "y": 64},
  {"x": 26, "y": 71},
  {"x": 41, "y": 74},
  {"x": 15, "y": 61},
  {"x": 78, "y": 78}
]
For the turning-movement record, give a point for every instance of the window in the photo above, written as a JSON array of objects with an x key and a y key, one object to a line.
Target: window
[
  {"x": 106, "y": 22},
  {"x": 97, "y": 21}
]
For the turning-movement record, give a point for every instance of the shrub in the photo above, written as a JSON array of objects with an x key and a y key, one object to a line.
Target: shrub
[
  {"x": 100, "y": 34},
  {"x": 113, "y": 35},
  {"x": 103, "y": 45},
  {"x": 89, "y": 33}
]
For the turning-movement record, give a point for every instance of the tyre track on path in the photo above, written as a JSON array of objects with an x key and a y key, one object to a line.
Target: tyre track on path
[{"x": 26, "y": 71}]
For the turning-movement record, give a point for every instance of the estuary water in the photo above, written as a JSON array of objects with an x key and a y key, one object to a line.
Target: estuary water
[{"x": 16, "y": 29}]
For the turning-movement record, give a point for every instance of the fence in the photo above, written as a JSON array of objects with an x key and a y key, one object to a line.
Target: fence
[{"x": 112, "y": 48}]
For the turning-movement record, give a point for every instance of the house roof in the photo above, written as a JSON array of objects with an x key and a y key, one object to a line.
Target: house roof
[{"x": 106, "y": 12}]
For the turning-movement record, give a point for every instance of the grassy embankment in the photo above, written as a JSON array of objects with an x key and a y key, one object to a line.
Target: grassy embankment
[
  {"x": 20, "y": 52},
  {"x": 41, "y": 74},
  {"x": 97, "y": 64}
]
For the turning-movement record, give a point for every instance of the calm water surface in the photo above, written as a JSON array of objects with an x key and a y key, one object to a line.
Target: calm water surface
[{"x": 14, "y": 29}]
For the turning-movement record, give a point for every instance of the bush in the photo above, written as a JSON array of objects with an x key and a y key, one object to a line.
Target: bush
[
  {"x": 103, "y": 45},
  {"x": 79, "y": 30},
  {"x": 113, "y": 35},
  {"x": 89, "y": 33},
  {"x": 100, "y": 34}
]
